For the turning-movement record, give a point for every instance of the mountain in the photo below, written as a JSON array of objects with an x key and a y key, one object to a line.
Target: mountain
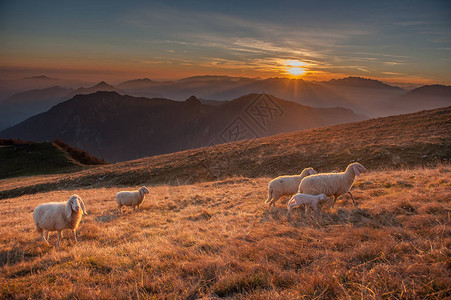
[
  {"x": 26, "y": 104},
  {"x": 415, "y": 141},
  {"x": 10, "y": 87},
  {"x": 425, "y": 97},
  {"x": 101, "y": 86},
  {"x": 21, "y": 106},
  {"x": 118, "y": 128},
  {"x": 137, "y": 84},
  {"x": 365, "y": 96},
  {"x": 363, "y": 83},
  {"x": 224, "y": 88}
]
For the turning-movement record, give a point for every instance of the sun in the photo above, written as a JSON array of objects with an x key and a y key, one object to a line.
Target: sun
[
  {"x": 294, "y": 67},
  {"x": 296, "y": 71}
]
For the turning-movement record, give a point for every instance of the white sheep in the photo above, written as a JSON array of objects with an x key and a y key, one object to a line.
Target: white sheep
[
  {"x": 57, "y": 216},
  {"x": 307, "y": 200},
  {"x": 128, "y": 198},
  {"x": 332, "y": 184},
  {"x": 285, "y": 185}
]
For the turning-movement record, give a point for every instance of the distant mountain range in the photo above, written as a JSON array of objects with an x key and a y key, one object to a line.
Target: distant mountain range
[
  {"x": 117, "y": 127},
  {"x": 364, "y": 96}
]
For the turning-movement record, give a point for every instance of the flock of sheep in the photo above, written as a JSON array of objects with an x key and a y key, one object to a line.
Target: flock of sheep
[{"x": 308, "y": 188}]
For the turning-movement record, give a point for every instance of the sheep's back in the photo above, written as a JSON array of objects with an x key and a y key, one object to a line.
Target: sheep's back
[
  {"x": 328, "y": 184},
  {"x": 49, "y": 216},
  {"x": 127, "y": 198},
  {"x": 286, "y": 183}
]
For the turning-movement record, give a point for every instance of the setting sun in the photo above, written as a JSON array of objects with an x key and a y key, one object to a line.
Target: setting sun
[
  {"x": 294, "y": 67},
  {"x": 296, "y": 71}
]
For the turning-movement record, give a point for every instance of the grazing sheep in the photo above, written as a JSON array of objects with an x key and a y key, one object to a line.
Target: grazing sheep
[
  {"x": 285, "y": 186},
  {"x": 332, "y": 184},
  {"x": 134, "y": 198},
  {"x": 57, "y": 216},
  {"x": 307, "y": 200}
]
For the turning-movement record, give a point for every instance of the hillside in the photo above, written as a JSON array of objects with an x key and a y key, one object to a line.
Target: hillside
[
  {"x": 419, "y": 139},
  {"x": 118, "y": 128},
  {"x": 217, "y": 239},
  {"x": 21, "y": 158},
  {"x": 205, "y": 232}
]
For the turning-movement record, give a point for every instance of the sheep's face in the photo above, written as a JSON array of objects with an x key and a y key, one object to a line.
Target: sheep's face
[
  {"x": 322, "y": 198},
  {"x": 72, "y": 205},
  {"x": 144, "y": 191},
  {"x": 308, "y": 172},
  {"x": 358, "y": 168}
]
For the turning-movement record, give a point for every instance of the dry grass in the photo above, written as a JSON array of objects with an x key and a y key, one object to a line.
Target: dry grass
[{"x": 217, "y": 239}]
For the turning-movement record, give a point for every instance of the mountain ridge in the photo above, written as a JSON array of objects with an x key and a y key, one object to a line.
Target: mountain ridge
[{"x": 99, "y": 123}]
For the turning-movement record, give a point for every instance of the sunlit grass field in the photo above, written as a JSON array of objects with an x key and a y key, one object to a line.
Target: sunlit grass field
[{"x": 217, "y": 239}]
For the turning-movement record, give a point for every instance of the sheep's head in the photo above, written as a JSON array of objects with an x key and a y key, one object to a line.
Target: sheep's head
[
  {"x": 75, "y": 203},
  {"x": 143, "y": 191},
  {"x": 358, "y": 168},
  {"x": 323, "y": 197},
  {"x": 308, "y": 172}
]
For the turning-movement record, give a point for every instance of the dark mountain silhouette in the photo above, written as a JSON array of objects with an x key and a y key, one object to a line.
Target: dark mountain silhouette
[
  {"x": 118, "y": 128},
  {"x": 24, "y": 105},
  {"x": 425, "y": 97}
]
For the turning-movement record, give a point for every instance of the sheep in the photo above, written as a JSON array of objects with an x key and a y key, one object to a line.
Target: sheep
[
  {"x": 134, "y": 199},
  {"x": 285, "y": 186},
  {"x": 307, "y": 200},
  {"x": 332, "y": 184},
  {"x": 57, "y": 216}
]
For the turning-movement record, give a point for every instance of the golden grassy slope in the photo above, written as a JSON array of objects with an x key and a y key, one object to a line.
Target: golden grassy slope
[{"x": 218, "y": 239}]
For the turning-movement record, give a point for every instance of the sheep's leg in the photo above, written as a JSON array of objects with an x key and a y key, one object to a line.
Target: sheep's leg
[
  {"x": 315, "y": 208},
  {"x": 59, "y": 238},
  {"x": 306, "y": 208},
  {"x": 75, "y": 235},
  {"x": 46, "y": 234},
  {"x": 335, "y": 199},
  {"x": 43, "y": 236},
  {"x": 119, "y": 208},
  {"x": 355, "y": 205}
]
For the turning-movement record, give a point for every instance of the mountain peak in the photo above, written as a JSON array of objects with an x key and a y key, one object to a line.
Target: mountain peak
[
  {"x": 193, "y": 100},
  {"x": 40, "y": 77},
  {"x": 362, "y": 82},
  {"x": 103, "y": 84}
]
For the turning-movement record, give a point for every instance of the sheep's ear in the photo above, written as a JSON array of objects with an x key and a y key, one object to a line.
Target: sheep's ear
[
  {"x": 356, "y": 170},
  {"x": 311, "y": 172},
  {"x": 68, "y": 209},
  {"x": 82, "y": 204}
]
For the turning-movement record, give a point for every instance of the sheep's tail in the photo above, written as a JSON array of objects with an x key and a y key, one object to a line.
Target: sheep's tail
[{"x": 269, "y": 195}]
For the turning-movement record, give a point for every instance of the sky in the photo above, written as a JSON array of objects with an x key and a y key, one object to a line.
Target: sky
[{"x": 393, "y": 41}]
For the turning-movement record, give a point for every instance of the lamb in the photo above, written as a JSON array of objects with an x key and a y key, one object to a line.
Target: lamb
[
  {"x": 285, "y": 186},
  {"x": 332, "y": 184},
  {"x": 307, "y": 200},
  {"x": 133, "y": 199},
  {"x": 57, "y": 216}
]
